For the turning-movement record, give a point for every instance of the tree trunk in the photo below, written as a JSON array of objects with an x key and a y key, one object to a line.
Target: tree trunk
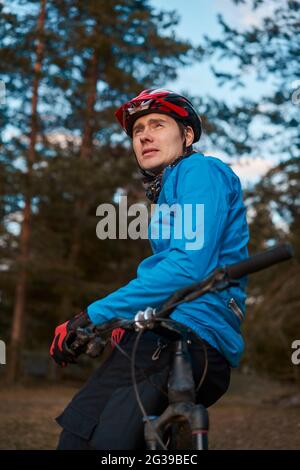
[{"x": 17, "y": 333}]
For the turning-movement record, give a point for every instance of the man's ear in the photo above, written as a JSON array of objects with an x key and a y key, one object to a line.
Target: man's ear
[{"x": 189, "y": 136}]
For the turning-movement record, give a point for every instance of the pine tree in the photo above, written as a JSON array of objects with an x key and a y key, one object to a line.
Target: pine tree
[
  {"x": 37, "y": 37},
  {"x": 270, "y": 51}
]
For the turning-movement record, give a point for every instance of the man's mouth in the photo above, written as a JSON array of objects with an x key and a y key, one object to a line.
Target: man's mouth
[{"x": 149, "y": 151}]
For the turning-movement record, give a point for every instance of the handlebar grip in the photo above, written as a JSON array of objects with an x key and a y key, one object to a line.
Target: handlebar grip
[{"x": 260, "y": 261}]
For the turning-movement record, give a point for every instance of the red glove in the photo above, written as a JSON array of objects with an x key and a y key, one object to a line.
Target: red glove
[
  {"x": 64, "y": 336},
  {"x": 116, "y": 336}
]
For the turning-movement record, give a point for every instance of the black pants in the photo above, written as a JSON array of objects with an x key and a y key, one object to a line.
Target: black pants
[{"x": 104, "y": 414}]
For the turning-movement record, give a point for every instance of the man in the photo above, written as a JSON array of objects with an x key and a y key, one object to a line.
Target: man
[{"x": 104, "y": 414}]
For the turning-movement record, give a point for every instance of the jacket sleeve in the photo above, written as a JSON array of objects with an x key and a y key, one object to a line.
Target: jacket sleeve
[{"x": 186, "y": 260}]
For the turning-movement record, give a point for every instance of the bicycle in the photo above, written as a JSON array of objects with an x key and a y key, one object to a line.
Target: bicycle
[{"x": 181, "y": 389}]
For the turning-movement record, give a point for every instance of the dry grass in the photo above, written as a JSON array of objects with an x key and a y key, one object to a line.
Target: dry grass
[{"x": 252, "y": 415}]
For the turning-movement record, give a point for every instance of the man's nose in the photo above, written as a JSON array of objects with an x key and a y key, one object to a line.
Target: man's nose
[{"x": 145, "y": 136}]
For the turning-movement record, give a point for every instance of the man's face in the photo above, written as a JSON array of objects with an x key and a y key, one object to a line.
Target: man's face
[{"x": 157, "y": 141}]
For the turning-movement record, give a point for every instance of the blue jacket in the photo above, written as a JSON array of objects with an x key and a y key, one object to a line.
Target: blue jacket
[{"x": 219, "y": 227}]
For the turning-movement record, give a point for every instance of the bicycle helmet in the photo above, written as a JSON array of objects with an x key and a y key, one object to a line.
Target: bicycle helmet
[{"x": 159, "y": 101}]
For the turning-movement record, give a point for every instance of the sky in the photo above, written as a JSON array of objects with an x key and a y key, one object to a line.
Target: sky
[{"x": 199, "y": 18}]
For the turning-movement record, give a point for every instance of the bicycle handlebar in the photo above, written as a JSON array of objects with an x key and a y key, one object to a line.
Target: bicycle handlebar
[{"x": 260, "y": 261}]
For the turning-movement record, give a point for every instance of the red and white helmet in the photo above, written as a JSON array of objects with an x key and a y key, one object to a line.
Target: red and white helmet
[{"x": 159, "y": 101}]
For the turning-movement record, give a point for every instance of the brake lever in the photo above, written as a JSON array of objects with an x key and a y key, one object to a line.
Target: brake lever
[
  {"x": 87, "y": 341},
  {"x": 83, "y": 337}
]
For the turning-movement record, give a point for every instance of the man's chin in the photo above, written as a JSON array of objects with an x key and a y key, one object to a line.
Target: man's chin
[{"x": 153, "y": 168}]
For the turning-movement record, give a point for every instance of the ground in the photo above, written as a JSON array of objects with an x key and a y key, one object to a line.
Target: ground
[{"x": 256, "y": 413}]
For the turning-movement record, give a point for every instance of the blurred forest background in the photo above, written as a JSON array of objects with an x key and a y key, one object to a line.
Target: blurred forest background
[{"x": 67, "y": 65}]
